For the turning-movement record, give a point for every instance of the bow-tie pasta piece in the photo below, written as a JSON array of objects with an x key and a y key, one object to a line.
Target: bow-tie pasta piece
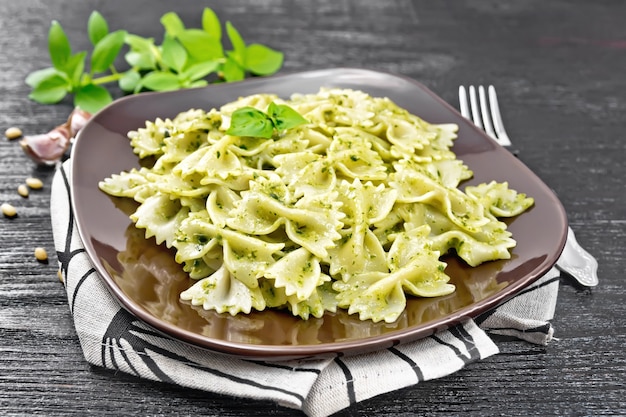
[
  {"x": 491, "y": 242},
  {"x": 416, "y": 187},
  {"x": 438, "y": 149},
  {"x": 360, "y": 250},
  {"x": 161, "y": 217},
  {"x": 225, "y": 294},
  {"x": 195, "y": 238},
  {"x": 413, "y": 268},
  {"x": 133, "y": 184},
  {"x": 298, "y": 272},
  {"x": 261, "y": 211},
  {"x": 500, "y": 199},
  {"x": 306, "y": 172},
  {"x": 352, "y": 155},
  {"x": 149, "y": 140},
  {"x": 246, "y": 257},
  {"x": 322, "y": 300},
  {"x": 448, "y": 172},
  {"x": 219, "y": 205}
]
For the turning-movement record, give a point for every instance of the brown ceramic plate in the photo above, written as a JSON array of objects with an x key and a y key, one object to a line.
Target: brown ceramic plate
[{"x": 147, "y": 282}]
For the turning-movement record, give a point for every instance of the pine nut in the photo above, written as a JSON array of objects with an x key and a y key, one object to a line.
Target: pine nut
[
  {"x": 22, "y": 190},
  {"x": 34, "y": 183},
  {"x": 60, "y": 275},
  {"x": 8, "y": 210},
  {"x": 41, "y": 254},
  {"x": 13, "y": 133}
]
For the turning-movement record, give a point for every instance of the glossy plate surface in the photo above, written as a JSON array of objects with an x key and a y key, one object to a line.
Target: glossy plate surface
[{"x": 145, "y": 279}]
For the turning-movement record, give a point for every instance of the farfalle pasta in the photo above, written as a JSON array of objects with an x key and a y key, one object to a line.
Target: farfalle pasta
[{"x": 352, "y": 210}]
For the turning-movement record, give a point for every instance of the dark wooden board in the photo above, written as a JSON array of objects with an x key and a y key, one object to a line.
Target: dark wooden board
[{"x": 559, "y": 70}]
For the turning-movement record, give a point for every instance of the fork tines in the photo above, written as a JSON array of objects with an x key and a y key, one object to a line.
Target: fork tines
[{"x": 484, "y": 113}]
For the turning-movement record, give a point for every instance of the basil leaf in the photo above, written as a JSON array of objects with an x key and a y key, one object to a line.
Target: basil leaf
[
  {"x": 201, "y": 45},
  {"x": 106, "y": 50},
  {"x": 248, "y": 121},
  {"x": 37, "y": 77},
  {"x": 50, "y": 89},
  {"x": 239, "y": 46},
  {"x": 261, "y": 60},
  {"x": 173, "y": 54},
  {"x": 142, "y": 52},
  {"x": 211, "y": 24},
  {"x": 232, "y": 71},
  {"x": 139, "y": 44},
  {"x": 285, "y": 117},
  {"x": 199, "y": 70},
  {"x": 172, "y": 24},
  {"x": 58, "y": 46},
  {"x": 92, "y": 98},
  {"x": 140, "y": 60},
  {"x": 75, "y": 66},
  {"x": 97, "y": 27},
  {"x": 129, "y": 81},
  {"x": 160, "y": 81},
  {"x": 198, "y": 83}
]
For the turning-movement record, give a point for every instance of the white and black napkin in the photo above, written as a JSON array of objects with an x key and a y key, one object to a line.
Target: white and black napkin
[{"x": 110, "y": 337}]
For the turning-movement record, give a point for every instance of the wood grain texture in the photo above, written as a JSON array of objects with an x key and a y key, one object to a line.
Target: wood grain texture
[{"x": 559, "y": 70}]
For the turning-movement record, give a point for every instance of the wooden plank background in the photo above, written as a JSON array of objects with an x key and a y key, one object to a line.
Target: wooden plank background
[{"x": 559, "y": 67}]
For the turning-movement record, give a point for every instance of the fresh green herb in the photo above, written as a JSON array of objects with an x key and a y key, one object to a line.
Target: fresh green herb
[
  {"x": 186, "y": 58},
  {"x": 248, "y": 121}
]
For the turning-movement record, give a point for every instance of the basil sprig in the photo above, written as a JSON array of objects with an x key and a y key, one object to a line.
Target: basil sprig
[
  {"x": 248, "y": 121},
  {"x": 187, "y": 57}
]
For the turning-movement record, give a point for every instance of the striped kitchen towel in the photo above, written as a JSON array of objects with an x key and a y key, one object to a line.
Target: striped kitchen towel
[{"x": 110, "y": 337}]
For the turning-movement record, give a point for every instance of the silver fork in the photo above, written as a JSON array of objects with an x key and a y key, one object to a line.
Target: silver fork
[{"x": 483, "y": 109}]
